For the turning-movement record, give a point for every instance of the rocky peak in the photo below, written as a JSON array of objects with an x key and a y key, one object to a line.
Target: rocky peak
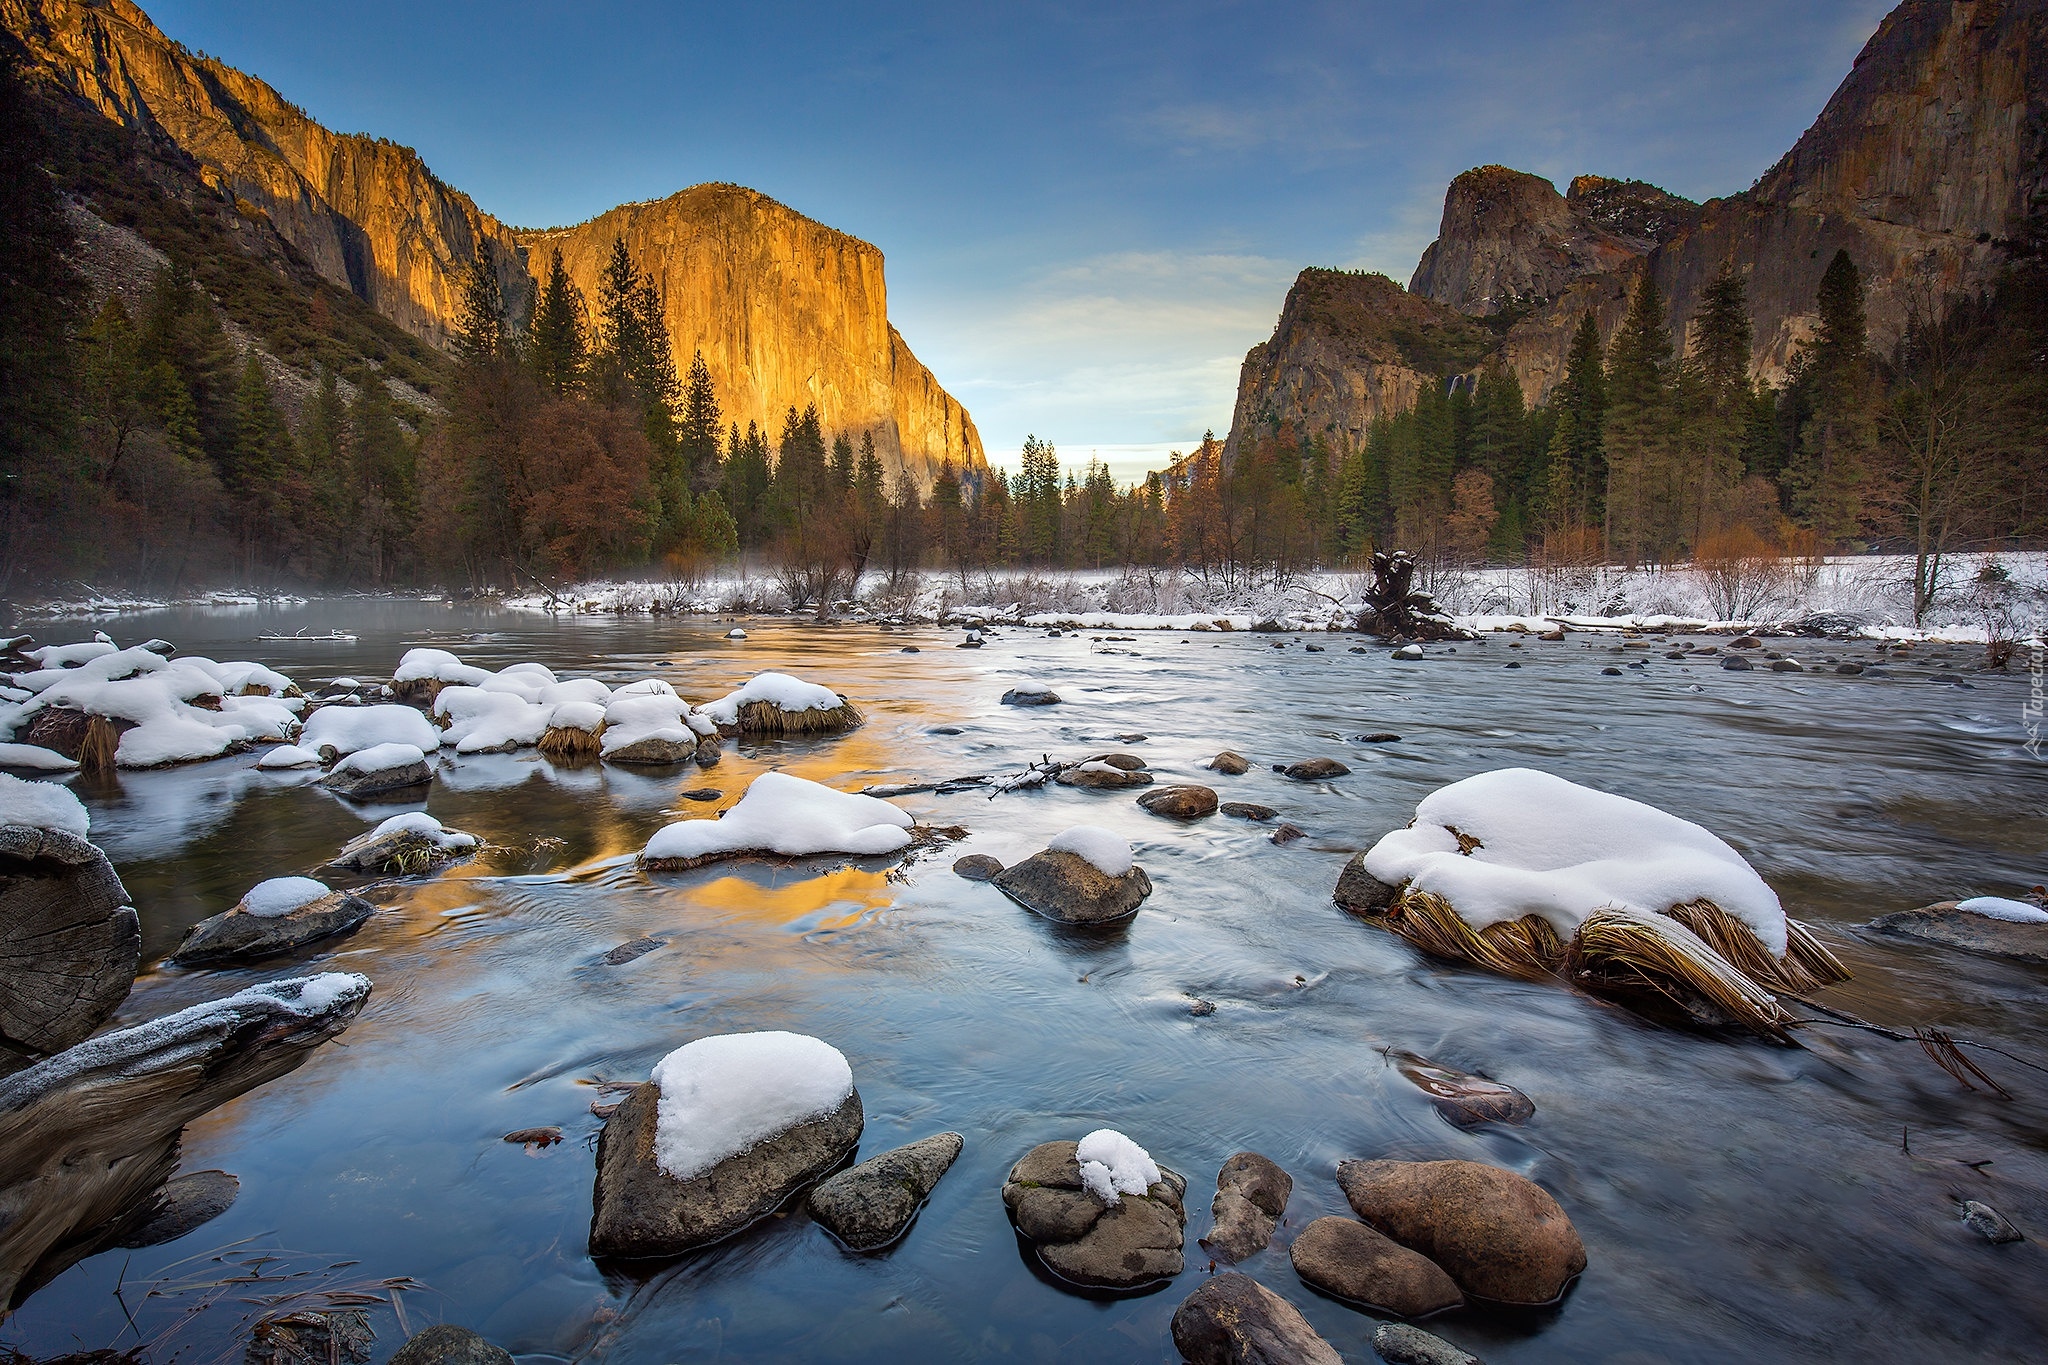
[
  {"x": 787, "y": 311},
  {"x": 1635, "y": 211},
  {"x": 1510, "y": 240}
]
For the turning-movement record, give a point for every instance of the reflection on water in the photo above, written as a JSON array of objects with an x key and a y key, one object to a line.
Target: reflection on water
[{"x": 1738, "y": 1201}]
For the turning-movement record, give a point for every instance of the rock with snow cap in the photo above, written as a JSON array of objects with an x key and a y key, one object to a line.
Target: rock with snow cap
[
  {"x": 378, "y": 769},
  {"x": 276, "y": 916},
  {"x": 1128, "y": 1241},
  {"x": 2018, "y": 931},
  {"x": 1084, "y": 876},
  {"x": 726, "y": 1130},
  {"x": 412, "y": 842}
]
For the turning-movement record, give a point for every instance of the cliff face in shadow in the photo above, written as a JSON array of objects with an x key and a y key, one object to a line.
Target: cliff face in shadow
[
  {"x": 786, "y": 311},
  {"x": 1923, "y": 166}
]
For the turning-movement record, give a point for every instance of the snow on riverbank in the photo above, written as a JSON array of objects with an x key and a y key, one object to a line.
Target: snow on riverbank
[{"x": 1869, "y": 595}]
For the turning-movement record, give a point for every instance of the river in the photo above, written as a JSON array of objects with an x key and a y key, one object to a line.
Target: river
[{"x": 1739, "y": 1201}]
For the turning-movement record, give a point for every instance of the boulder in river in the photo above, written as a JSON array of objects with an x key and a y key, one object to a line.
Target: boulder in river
[
  {"x": 870, "y": 1206},
  {"x": 185, "y": 1202},
  {"x": 1316, "y": 769},
  {"x": 1361, "y": 893},
  {"x": 1400, "y": 1343},
  {"x": 1180, "y": 803},
  {"x": 1234, "y": 1320},
  {"x": 1031, "y": 694},
  {"x": 409, "y": 843},
  {"x": 1947, "y": 924},
  {"x": 89, "y": 1137},
  {"x": 1134, "y": 1242},
  {"x": 253, "y": 930},
  {"x": 977, "y": 867},
  {"x": 1350, "y": 1261},
  {"x": 1104, "y": 774},
  {"x": 1989, "y": 1223},
  {"x": 1251, "y": 1194},
  {"x": 446, "y": 1344},
  {"x": 1247, "y": 810},
  {"x": 1064, "y": 885},
  {"x": 378, "y": 769},
  {"x": 69, "y": 940},
  {"x": 657, "y": 751},
  {"x": 641, "y": 1210},
  {"x": 1230, "y": 764},
  {"x": 1465, "y": 1100},
  {"x": 1499, "y": 1236}
]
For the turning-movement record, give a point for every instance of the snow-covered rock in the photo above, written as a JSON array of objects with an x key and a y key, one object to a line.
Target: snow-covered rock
[
  {"x": 286, "y": 756},
  {"x": 492, "y": 719},
  {"x": 775, "y": 702},
  {"x": 786, "y": 815},
  {"x": 1130, "y": 1239},
  {"x": 411, "y": 842},
  {"x": 378, "y": 769},
  {"x": 35, "y": 758},
  {"x": 275, "y": 917},
  {"x": 727, "y": 1129},
  {"x": 650, "y": 727},
  {"x": 1071, "y": 881},
  {"x": 345, "y": 729},
  {"x": 42, "y": 805},
  {"x": 1518, "y": 842}
]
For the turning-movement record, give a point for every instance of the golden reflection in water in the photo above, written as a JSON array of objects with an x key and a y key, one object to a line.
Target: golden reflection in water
[{"x": 782, "y": 901}]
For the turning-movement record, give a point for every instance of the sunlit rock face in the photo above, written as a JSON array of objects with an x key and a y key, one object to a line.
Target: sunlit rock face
[{"x": 786, "y": 311}]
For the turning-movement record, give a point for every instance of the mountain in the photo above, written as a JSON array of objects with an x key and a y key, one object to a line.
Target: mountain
[
  {"x": 1924, "y": 166},
  {"x": 369, "y": 217},
  {"x": 785, "y": 311}
]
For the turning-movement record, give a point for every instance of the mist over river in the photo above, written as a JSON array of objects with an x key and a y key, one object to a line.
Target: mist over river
[{"x": 1739, "y": 1201}]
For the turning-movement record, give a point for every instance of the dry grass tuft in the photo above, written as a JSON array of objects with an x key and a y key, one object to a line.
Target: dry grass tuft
[
  {"x": 1807, "y": 965},
  {"x": 565, "y": 744},
  {"x": 766, "y": 718},
  {"x": 1629, "y": 950},
  {"x": 419, "y": 692},
  {"x": 96, "y": 751},
  {"x": 1527, "y": 948}
]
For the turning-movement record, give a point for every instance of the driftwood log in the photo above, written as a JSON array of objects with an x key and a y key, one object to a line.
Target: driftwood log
[
  {"x": 89, "y": 1138},
  {"x": 1395, "y": 609},
  {"x": 69, "y": 940}
]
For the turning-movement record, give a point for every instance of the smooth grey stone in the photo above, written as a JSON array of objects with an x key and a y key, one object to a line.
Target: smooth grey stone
[{"x": 872, "y": 1205}]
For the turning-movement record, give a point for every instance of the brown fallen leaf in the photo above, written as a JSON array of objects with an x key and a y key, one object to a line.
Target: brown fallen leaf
[{"x": 536, "y": 1137}]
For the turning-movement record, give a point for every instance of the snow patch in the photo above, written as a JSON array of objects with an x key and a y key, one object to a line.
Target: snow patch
[
  {"x": 791, "y": 816},
  {"x": 420, "y": 823},
  {"x": 289, "y": 756},
  {"x": 381, "y": 758},
  {"x": 721, "y": 1096},
  {"x": 41, "y": 805},
  {"x": 492, "y": 717},
  {"x": 1999, "y": 907},
  {"x": 281, "y": 895},
  {"x": 349, "y": 728},
  {"x": 35, "y": 758},
  {"x": 438, "y": 665},
  {"x": 1109, "y": 853},
  {"x": 1113, "y": 1166},
  {"x": 1558, "y": 850}
]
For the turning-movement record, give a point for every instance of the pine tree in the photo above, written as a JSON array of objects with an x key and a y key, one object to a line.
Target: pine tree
[
  {"x": 698, "y": 435},
  {"x": 1716, "y": 402},
  {"x": 1831, "y": 458},
  {"x": 480, "y": 316},
  {"x": 1582, "y": 395},
  {"x": 558, "y": 342},
  {"x": 1639, "y": 465}
]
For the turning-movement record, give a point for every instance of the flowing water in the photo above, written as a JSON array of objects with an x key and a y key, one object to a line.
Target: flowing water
[{"x": 1739, "y": 1201}]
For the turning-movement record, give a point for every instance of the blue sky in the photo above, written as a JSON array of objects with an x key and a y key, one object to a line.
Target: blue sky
[{"x": 1090, "y": 211}]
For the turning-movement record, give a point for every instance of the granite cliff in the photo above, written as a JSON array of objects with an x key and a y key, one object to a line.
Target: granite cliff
[
  {"x": 786, "y": 311},
  {"x": 1925, "y": 166}
]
